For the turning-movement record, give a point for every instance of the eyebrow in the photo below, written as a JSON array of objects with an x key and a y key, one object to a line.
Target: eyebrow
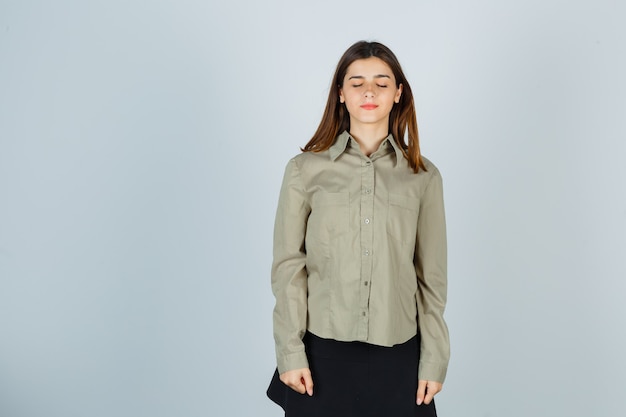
[{"x": 360, "y": 77}]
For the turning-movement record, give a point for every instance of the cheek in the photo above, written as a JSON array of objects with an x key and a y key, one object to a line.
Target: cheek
[
  {"x": 393, "y": 97},
  {"x": 351, "y": 106},
  {"x": 352, "y": 99}
]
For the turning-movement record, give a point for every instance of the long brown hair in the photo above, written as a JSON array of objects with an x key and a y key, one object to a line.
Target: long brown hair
[{"x": 402, "y": 118}]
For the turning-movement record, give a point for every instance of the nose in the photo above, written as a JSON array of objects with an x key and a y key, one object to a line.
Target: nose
[{"x": 369, "y": 92}]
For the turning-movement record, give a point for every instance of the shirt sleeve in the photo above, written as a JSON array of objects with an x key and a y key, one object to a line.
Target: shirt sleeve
[
  {"x": 431, "y": 268},
  {"x": 289, "y": 275}
]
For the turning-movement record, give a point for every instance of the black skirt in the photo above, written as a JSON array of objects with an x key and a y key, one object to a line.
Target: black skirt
[{"x": 355, "y": 379}]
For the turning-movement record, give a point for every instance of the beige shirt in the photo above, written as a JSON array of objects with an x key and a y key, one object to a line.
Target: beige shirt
[{"x": 360, "y": 254}]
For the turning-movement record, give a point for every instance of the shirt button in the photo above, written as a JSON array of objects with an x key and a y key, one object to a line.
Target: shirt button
[
  {"x": 368, "y": 191},
  {"x": 367, "y": 221},
  {"x": 366, "y": 253},
  {"x": 365, "y": 283},
  {"x": 364, "y": 314}
]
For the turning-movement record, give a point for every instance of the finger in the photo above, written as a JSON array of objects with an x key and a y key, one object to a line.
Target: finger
[
  {"x": 432, "y": 388},
  {"x": 430, "y": 393},
  {"x": 293, "y": 381},
  {"x": 421, "y": 391},
  {"x": 307, "y": 380},
  {"x": 297, "y": 386}
]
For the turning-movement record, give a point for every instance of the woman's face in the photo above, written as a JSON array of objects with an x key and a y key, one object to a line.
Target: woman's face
[{"x": 369, "y": 91}]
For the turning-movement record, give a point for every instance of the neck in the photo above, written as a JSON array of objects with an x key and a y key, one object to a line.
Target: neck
[{"x": 369, "y": 137}]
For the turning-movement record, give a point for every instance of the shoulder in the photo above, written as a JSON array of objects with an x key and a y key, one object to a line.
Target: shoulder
[
  {"x": 422, "y": 180},
  {"x": 422, "y": 176},
  {"x": 309, "y": 159},
  {"x": 433, "y": 182},
  {"x": 431, "y": 168},
  {"x": 305, "y": 165}
]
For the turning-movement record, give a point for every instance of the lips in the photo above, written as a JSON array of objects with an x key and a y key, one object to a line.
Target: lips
[{"x": 369, "y": 106}]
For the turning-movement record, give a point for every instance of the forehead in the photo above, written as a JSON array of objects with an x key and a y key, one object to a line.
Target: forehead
[{"x": 369, "y": 67}]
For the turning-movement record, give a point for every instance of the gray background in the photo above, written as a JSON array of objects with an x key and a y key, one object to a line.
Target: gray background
[{"x": 142, "y": 144}]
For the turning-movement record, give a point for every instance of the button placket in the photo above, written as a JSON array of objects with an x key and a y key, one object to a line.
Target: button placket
[{"x": 367, "y": 238}]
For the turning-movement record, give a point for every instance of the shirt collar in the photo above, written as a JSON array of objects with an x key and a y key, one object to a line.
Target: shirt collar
[{"x": 341, "y": 143}]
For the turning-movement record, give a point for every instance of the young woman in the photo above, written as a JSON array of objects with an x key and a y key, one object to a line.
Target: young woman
[{"x": 359, "y": 270}]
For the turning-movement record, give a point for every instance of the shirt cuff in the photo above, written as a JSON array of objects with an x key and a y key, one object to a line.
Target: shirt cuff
[
  {"x": 432, "y": 372},
  {"x": 292, "y": 361}
]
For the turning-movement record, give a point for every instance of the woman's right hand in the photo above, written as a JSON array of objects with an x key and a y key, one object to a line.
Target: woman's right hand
[{"x": 298, "y": 380}]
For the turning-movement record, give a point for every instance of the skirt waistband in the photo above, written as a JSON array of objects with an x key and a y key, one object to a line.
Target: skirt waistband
[{"x": 357, "y": 351}]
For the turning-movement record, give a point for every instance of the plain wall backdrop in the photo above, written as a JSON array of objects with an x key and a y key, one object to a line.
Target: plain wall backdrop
[{"x": 142, "y": 145}]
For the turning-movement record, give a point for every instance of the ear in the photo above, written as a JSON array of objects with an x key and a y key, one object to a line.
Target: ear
[
  {"x": 398, "y": 94},
  {"x": 342, "y": 99}
]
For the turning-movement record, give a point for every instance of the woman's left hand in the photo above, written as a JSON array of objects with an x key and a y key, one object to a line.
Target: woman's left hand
[{"x": 426, "y": 390}]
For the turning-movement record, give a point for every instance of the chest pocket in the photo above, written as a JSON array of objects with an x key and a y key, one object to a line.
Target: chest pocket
[
  {"x": 402, "y": 215},
  {"x": 329, "y": 215}
]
